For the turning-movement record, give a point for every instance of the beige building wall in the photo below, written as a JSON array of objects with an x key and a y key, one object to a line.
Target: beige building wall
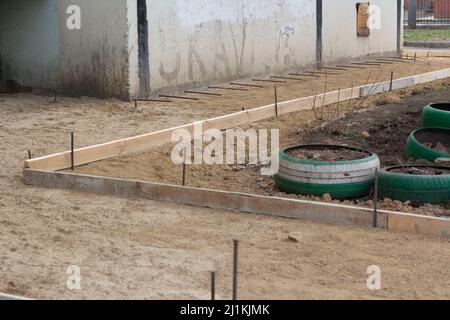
[{"x": 340, "y": 40}]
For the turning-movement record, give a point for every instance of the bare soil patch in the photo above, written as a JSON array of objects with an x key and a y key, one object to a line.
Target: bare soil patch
[
  {"x": 326, "y": 153},
  {"x": 422, "y": 171}
]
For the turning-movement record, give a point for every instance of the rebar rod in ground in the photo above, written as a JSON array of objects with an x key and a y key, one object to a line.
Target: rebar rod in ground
[
  {"x": 268, "y": 80},
  {"x": 334, "y": 68},
  {"x": 352, "y": 67},
  {"x": 366, "y": 64},
  {"x": 392, "y": 60},
  {"x": 375, "y": 201},
  {"x": 276, "y": 100},
  {"x": 246, "y": 85},
  {"x": 151, "y": 100},
  {"x": 380, "y": 62},
  {"x": 235, "y": 269},
  {"x": 392, "y": 80},
  {"x": 213, "y": 286},
  {"x": 323, "y": 72},
  {"x": 72, "y": 152},
  {"x": 227, "y": 88},
  {"x": 287, "y": 78},
  {"x": 303, "y": 75},
  {"x": 183, "y": 178},
  {"x": 178, "y": 97},
  {"x": 203, "y": 93}
]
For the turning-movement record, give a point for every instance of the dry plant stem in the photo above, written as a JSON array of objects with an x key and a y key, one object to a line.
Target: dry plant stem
[{"x": 323, "y": 100}]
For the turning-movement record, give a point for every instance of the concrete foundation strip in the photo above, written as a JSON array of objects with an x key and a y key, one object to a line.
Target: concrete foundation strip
[{"x": 247, "y": 203}]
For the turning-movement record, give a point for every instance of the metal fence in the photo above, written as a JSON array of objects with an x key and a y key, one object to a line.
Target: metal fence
[{"x": 427, "y": 14}]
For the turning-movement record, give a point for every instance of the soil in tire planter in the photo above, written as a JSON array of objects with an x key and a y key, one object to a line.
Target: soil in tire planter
[
  {"x": 438, "y": 146},
  {"x": 441, "y": 106},
  {"x": 424, "y": 171},
  {"x": 327, "y": 153}
]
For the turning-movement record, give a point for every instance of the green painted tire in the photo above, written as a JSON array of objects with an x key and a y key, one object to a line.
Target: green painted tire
[
  {"x": 418, "y": 188},
  {"x": 341, "y": 179},
  {"x": 415, "y": 148},
  {"x": 436, "y": 115}
]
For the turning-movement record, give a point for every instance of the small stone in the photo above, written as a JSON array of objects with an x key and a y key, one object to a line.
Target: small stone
[
  {"x": 365, "y": 134},
  {"x": 294, "y": 237},
  {"x": 327, "y": 197},
  {"x": 387, "y": 201}
]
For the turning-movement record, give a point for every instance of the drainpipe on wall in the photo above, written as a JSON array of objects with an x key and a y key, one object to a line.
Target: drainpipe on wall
[{"x": 319, "y": 25}]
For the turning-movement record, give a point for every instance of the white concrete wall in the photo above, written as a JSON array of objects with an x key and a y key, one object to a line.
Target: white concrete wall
[
  {"x": 340, "y": 38},
  {"x": 94, "y": 60},
  {"x": 190, "y": 41},
  {"x": 29, "y": 43},
  {"x": 133, "y": 51},
  {"x": 196, "y": 41}
]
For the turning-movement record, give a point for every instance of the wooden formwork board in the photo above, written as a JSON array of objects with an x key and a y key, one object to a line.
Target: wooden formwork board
[
  {"x": 247, "y": 203},
  {"x": 214, "y": 199},
  {"x": 427, "y": 53},
  {"x": 145, "y": 142}
]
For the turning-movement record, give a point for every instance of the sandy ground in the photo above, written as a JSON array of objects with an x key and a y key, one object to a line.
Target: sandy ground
[{"x": 129, "y": 248}]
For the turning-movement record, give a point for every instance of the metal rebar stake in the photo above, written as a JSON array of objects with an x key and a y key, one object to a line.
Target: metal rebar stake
[
  {"x": 213, "y": 286},
  {"x": 184, "y": 168},
  {"x": 375, "y": 201},
  {"x": 276, "y": 101},
  {"x": 72, "y": 156},
  {"x": 235, "y": 269},
  {"x": 392, "y": 80}
]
